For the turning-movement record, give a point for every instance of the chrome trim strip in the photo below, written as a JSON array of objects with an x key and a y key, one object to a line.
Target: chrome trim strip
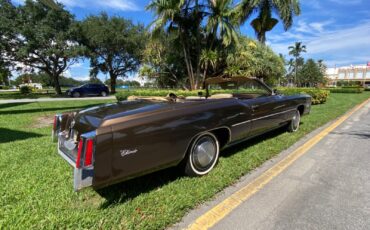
[
  {"x": 65, "y": 157},
  {"x": 240, "y": 123},
  {"x": 270, "y": 115},
  {"x": 82, "y": 178}
]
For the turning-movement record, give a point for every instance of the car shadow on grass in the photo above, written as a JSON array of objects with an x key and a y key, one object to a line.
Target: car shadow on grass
[
  {"x": 8, "y": 105},
  {"x": 124, "y": 191},
  {"x": 8, "y": 135},
  {"x": 253, "y": 141}
]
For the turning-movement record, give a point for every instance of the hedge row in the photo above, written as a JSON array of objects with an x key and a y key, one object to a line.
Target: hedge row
[
  {"x": 347, "y": 90},
  {"x": 319, "y": 96},
  {"x": 123, "y": 95}
]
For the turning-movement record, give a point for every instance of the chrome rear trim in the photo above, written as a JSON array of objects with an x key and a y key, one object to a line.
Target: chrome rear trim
[{"x": 270, "y": 115}]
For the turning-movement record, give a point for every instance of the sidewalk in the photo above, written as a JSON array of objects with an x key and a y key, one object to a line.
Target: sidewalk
[
  {"x": 55, "y": 99},
  {"x": 326, "y": 188}
]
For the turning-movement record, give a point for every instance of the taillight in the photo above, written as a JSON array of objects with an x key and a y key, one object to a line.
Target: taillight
[
  {"x": 55, "y": 122},
  {"x": 79, "y": 152},
  {"x": 89, "y": 152},
  {"x": 85, "y": 153}
]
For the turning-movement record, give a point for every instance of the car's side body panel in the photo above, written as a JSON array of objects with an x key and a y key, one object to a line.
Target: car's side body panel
[{"x": 149, "y": 141}]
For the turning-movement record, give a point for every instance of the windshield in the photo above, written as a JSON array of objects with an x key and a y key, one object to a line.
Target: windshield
[{"x": 238, "y": 88}]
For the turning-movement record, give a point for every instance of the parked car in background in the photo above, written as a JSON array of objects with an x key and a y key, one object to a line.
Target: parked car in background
[
  {"x": 115, "y": 142},
  {"x": 88, "y": 90}
]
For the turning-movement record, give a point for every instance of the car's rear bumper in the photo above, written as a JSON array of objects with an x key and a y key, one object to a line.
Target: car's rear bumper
[{"x": 82, "y": 177}]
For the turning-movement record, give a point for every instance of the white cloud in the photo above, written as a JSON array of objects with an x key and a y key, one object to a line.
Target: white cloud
[
  {"x": 76, "y": 65},
  {"x": 347, "y": 2},
  {"x": 340, "y": 46},
  {"x": 67, "y": 73},
  {"x": 121, "y": 5},
  {"x": 81, "y": 78}
]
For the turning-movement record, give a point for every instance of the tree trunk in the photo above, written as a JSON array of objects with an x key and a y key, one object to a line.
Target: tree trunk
[
  {"x": 113, "y": 82},
  {"x": 295, "y": 76},
  {"x": 56, "y": 84},
  {"x": 197, "y": 68},
  {"x": 262, "y": 37},
  {"x": 205, "y": 73},
  {"x": 189, "y": 69}
]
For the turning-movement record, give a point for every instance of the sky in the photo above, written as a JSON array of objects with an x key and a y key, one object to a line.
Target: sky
[{"x": 336, "y": 31}]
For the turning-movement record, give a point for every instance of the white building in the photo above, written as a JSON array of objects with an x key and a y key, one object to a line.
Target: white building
[{"x": 359, "y": 73}]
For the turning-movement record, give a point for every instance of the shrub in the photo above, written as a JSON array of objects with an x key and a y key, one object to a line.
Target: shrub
[
  {"x": 347, "y": 90},
  {"x": 123, "y": 95},
  {"x": 4, "y": 87},
  {"x": 319, "y": 96},
  {"x": 349, "y": 83},
  {"x": 25, "y": 89}
]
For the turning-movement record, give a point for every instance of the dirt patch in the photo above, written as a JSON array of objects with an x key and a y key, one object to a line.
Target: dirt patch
[{"x": 42, "y": 122}]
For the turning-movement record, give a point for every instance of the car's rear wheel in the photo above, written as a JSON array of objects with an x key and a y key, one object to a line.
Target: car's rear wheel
[
  {"x": 203, "y": 155},
  {"x": 294, "y": 123},
  {"x": 76, "y": 94},
  {"x": 103, "y": 94}
]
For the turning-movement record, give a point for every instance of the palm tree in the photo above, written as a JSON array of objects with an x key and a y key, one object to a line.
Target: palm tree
[
  {"x": 221, "y": 21},
  {"x": 186, "y": 18},
  {"x": 296, "y": 51},
  {"x": 264, "y": 22},
  {"x": 171, "y": 14}
]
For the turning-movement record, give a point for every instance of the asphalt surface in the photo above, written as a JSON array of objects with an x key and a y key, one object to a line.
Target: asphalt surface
[
  {"x": 55, "y": 99},
  {"x": 327, "y": 188}
]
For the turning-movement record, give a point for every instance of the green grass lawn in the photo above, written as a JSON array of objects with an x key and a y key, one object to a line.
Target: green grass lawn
[{"x": 36, "y": 188}]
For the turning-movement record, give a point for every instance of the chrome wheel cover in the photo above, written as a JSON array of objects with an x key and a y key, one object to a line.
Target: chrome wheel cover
[
  {"x": 204, "y": 152},
  {"x": 296, "y": 120}
]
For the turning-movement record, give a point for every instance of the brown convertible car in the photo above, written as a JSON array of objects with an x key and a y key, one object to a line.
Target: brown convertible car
[{"x": 114, "y": 142}]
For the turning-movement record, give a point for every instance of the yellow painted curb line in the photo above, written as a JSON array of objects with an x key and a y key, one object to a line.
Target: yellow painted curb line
[{"x": 218, "y": 212}]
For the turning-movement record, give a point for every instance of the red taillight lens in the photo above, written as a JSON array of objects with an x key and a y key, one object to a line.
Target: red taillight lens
[
  {"x": 89, "y": 152},
  {"x": 55, "y": 123},
  {"x": 79, "y": 152}
]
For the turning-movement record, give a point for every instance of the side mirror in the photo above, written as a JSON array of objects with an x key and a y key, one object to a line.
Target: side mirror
[{"x": 200, "y": 94}]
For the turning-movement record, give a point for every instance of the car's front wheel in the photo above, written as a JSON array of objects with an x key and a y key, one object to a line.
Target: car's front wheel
[
  {"x": 76, "y": 94},
  {"x": 203, "y": 155},
  {"x": 103, "y": 94},
  {"x": 294, "y": 123}
]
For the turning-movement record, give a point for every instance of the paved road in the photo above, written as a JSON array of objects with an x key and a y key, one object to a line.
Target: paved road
[
  {"x": 55, "y": 99},
  {"x": 327, "y": 188}
]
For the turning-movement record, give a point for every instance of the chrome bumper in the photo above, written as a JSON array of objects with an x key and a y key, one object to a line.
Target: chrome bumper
[{"x": 82, "y": 177}]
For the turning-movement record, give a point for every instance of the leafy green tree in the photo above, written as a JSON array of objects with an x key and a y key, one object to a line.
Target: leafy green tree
[
  {"x": 163, "y": 61},
  {"x": 264, "y": 22},
  {"x": 7, "y": 36},
  {"x": 45, "y": 39},
  {"x": 296, "y": 50},
  {"x": 199, "y": 25},
  {"x": 95, "y": 80},
  {"x": 113, "y": 44},
  {"x": 311, "y": 74},
  {"x": 253, "y": 59},
  {"x": 4, "y": 76}
]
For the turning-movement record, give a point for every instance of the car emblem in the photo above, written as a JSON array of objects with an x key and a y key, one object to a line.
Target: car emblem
[{"x": 126, "y": 152}]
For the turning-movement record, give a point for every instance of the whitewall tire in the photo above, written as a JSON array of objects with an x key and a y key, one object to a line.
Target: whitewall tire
[{"x": 203, "y": 155}]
